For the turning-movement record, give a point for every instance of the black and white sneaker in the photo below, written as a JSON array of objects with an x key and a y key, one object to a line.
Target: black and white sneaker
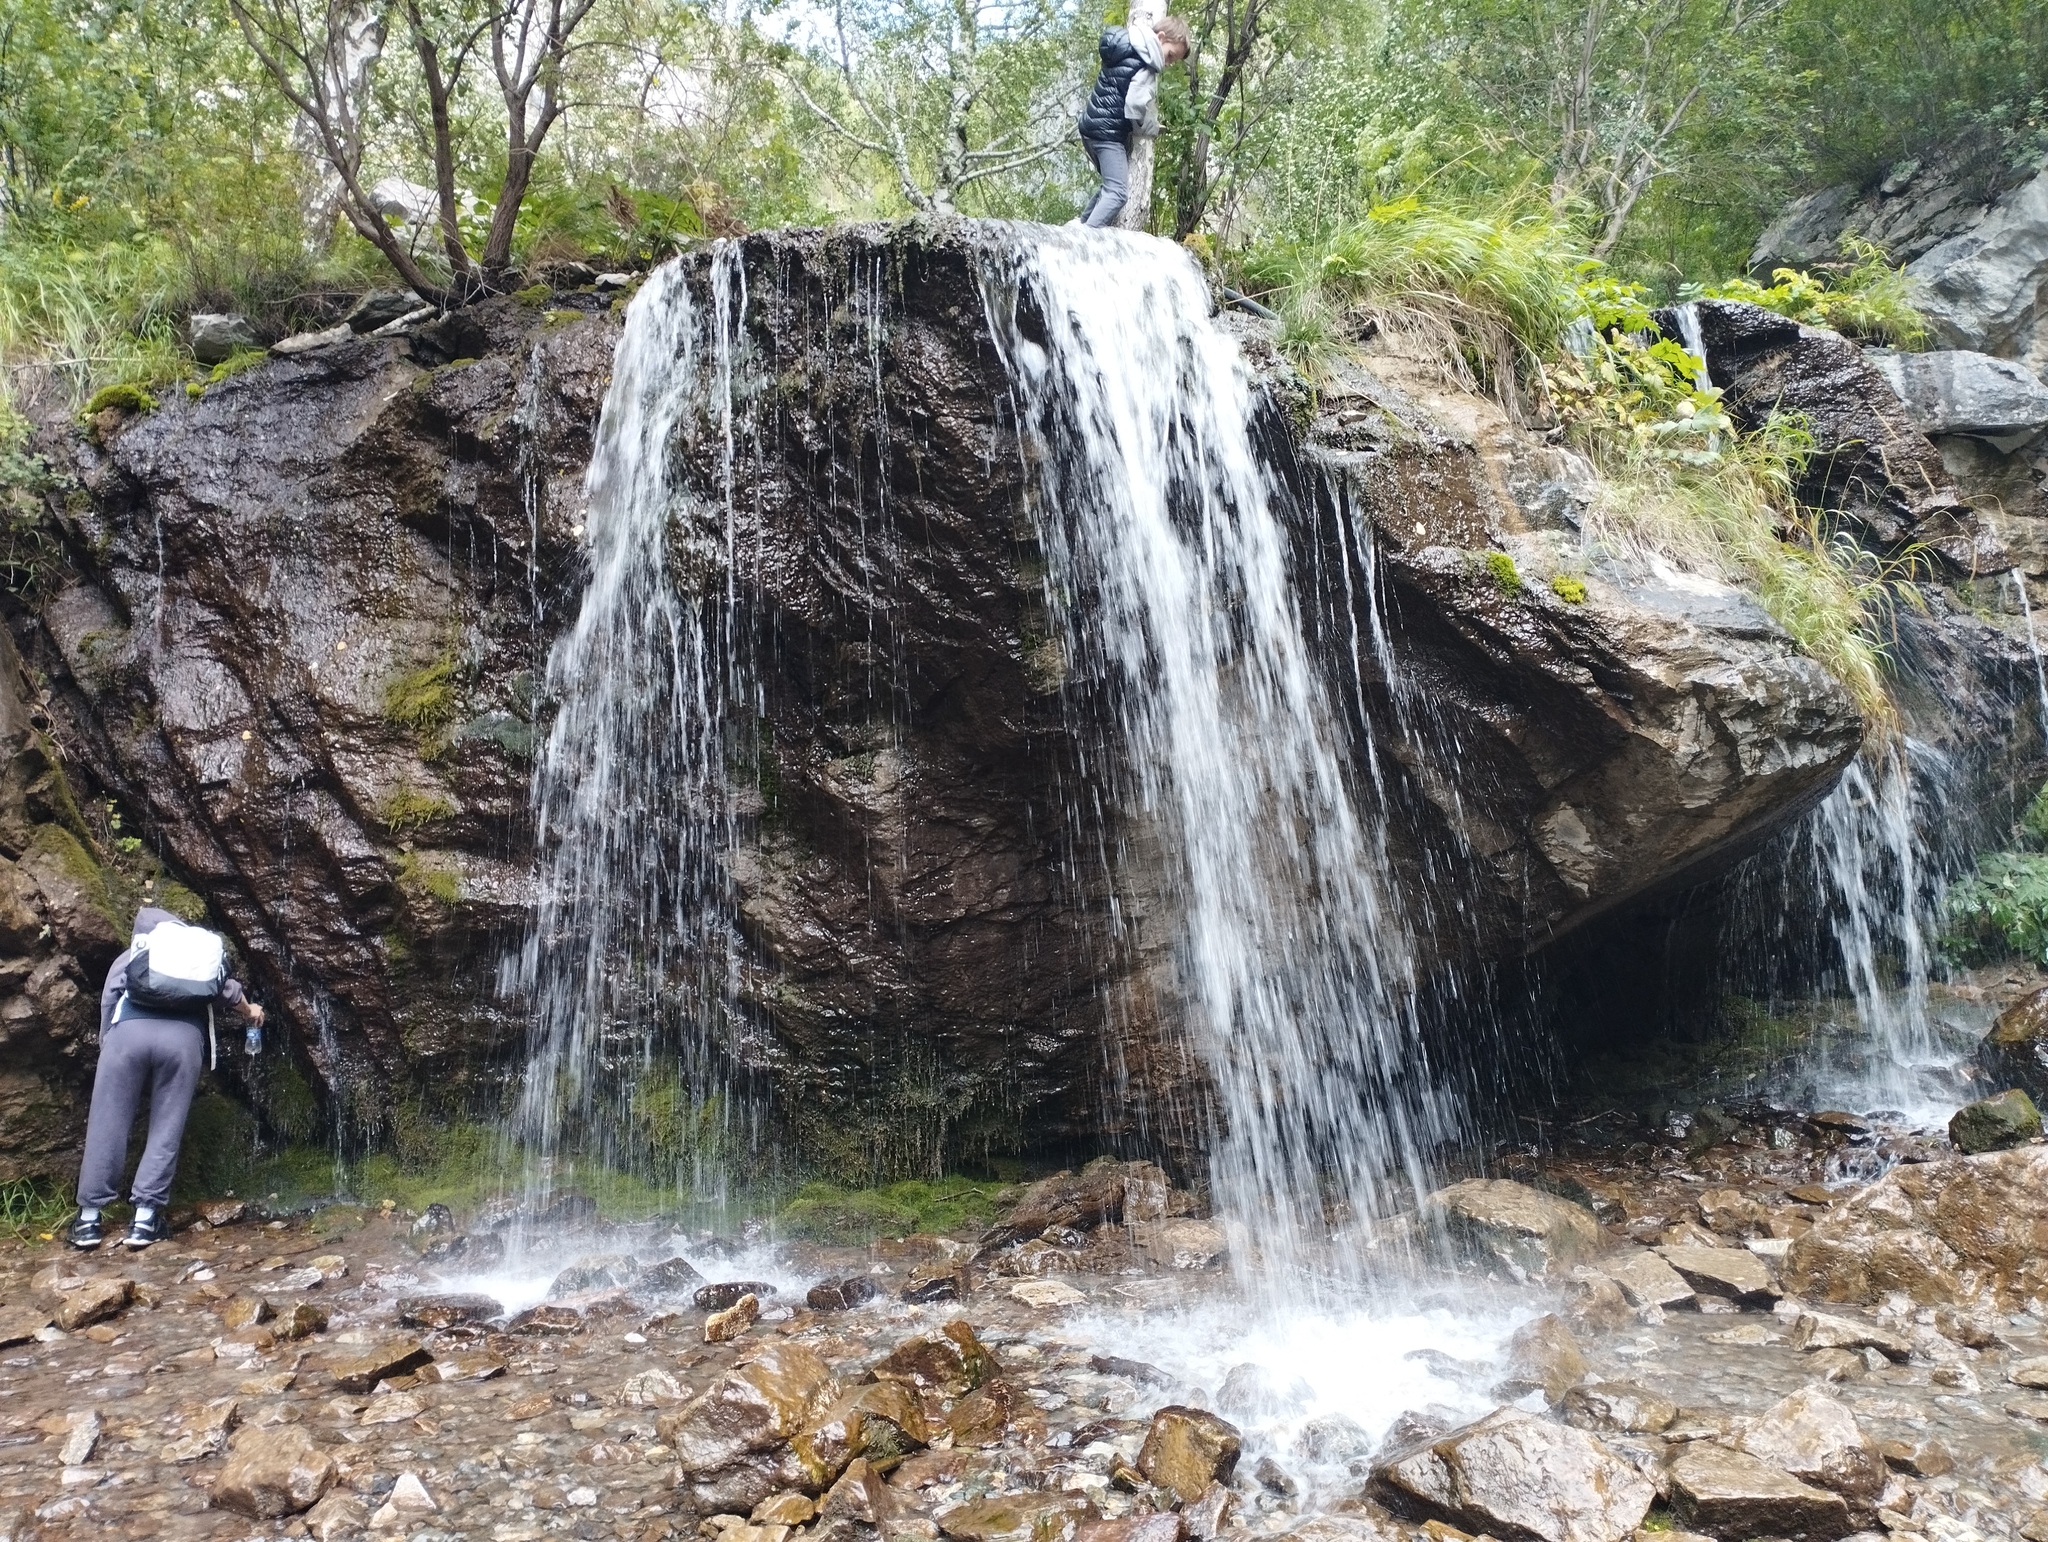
[
  {"x": 87, "y": 1232},
  {"x": 147, "y": 1227}
]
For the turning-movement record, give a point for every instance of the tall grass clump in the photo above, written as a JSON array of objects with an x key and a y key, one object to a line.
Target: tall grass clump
[
  {"x": 1494, "y": 292},
  {"x": 1679, "y": 481}
]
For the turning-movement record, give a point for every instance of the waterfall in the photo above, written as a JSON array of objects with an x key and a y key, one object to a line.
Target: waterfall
[
  {"x": 2019, "y": 584},
  {"x": 1882, "y": 898},
  {"x": 1169, "y": 570},
  {"x": 631, "y": 955}
]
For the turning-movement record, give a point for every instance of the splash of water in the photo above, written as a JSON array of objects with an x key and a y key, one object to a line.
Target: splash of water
[
  {"x": 631, "y": 954},
  {"x": 1170, "y": 572}
]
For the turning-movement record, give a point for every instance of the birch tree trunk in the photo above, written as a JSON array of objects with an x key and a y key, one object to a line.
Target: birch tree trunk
[{"x": 1137, "y": 213}]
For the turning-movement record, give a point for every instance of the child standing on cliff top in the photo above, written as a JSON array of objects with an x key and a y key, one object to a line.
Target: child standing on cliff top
[{"x": 1125, "y": 101}]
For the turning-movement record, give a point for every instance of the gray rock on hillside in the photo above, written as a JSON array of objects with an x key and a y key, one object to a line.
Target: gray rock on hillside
[
  {"x": 1971, "y": 228},
  {"x": 1733, "y": 1495},
  {"x": 1955, "y": 391},
  {"x": 216, "y": 336}
]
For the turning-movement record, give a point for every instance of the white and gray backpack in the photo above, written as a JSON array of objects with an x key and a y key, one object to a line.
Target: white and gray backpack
[{"x": 176, "y": 968}]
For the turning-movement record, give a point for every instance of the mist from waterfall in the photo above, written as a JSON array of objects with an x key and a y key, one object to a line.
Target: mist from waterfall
[{"x": 1169, "y": 571}]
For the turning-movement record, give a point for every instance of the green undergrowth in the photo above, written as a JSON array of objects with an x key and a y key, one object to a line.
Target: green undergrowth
[
  {"x": 2000, "y": 909},
  {"x": 825, "y": 1212},
  {"x": 1861, "y": 295},
  {"x": 33, "y": 1208},
  {"x": 423, "y": 701}
]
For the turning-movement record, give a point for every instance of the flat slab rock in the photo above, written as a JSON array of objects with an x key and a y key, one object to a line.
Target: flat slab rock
[
  {"x": 1512, "y": 1475},
  {"x": 1736, "y": 1274},
  {"x": 1729, "y": 1493}
]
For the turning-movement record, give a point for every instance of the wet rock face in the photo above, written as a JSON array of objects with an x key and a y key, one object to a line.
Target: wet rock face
[
  {"x": 60, "y": 928},
  {"x": 300, "y": 642},
  {"x": 309, "y": 611}
]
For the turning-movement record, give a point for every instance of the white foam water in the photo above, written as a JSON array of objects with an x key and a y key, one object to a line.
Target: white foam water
[{"x": 1170, "y": 571}]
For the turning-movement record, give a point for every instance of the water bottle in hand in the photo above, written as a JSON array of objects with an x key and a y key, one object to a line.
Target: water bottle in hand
[{"x": 252, "y": 1040}]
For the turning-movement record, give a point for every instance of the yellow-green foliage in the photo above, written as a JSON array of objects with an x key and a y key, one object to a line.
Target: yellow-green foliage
[
  {"x": 421, "y": 875},
  {"x": 828, "y": 1213},
  {"x": 1569, "y": 589},
  {"x": 406, "y": 809},
  {"x": 84, "y": 868},
  {"x": 33, "y": 1207},
  {"x": 1501, "y": 567},
  {"x": 127, "y": 395},
  {"x": 535, "y": 294},
  {"x": 1632, "y": 391},
  {"x": 1864, "y": 296},
  {"x": 423, "y": 700}
]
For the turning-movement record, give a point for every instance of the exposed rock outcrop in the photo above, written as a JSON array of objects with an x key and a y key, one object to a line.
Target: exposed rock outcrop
[{"x": 307, "y": 613}]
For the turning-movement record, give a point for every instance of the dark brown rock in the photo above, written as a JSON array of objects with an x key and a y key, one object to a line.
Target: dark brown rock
[
  {"x": 2015, "y": 1052},
  {"x": 446, "y": 1311},
  {"x": 1996, "y": 1123},
  {"x": 723, "y": 1296},
  {"x": 272, "y": 1473},
  {"x": 1029, "y": 1517},
  {"x": 359, "y": 1370},
  {"x": 1187, "y": 1449},
  {"x": 94, "y": 1301}
]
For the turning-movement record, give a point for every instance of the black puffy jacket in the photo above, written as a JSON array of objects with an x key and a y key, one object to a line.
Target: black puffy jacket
[{"x": 1102, "y": 115}]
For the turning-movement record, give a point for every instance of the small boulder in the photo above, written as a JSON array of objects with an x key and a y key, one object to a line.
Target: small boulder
[
  {"x": 1733, "y": 1494},
  {"x": 981, "y": 1418},
  {"x": 380, "y": 308},
  {"x": 1730, "y": 1212},
  {"x": 1544, "y": 1356},
  {"x": 1996, "y": 1124},
  {"x": 1187, "y": 1449},
  {"x": 1185, "y": 1244},
  {"x": 1816, "y": 1439},
  {"x": 357, "y": 1371},
  {"x": 1646, "y": 1279},
  {"x": 245, "y": 1310},
  {"x": 274, "y": 1472},
  {"x": 1520, "y": 1230},
  {"x": 1822, "y": 1330},
  {"x": 753, "y": 1409},
  {"x": 595, "y": 1271},
  {"x": 733, "y": 1321},
  {"x": 726, "y": 1294},
  {"x": 840, "y": 1295},
  {"x": 547, "y": 1321},
  {"x": 2015, "y": 1052},
  {"x": 672, "y": 1278},
  {"x": 883, "y": 1421},
  {"x": 952, "y": 1365},
  {"x": 309, "y": 342},
  {"x": 1030, "y": 1517},
  {"x": 1512, "y": 1475},
  {"x": 299, "y": 1320},
  {"x": 1619, "y": 1408},
  {"x": 94, "y": 1301},
  {"x": 217, "y": 337}
]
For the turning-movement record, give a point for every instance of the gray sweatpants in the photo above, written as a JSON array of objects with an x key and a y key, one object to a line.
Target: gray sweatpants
[
  {"x": 143, "y": 1055},
  {"x": 1112, "y": 163}
]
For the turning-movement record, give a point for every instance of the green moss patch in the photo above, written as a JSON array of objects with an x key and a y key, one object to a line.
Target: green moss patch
[
  {"x": 407, "y": 809},
  {"x": 828, "y": 1213},
  {"x": 127, "y": 396},
  {"x": 1569, "y": 589}
]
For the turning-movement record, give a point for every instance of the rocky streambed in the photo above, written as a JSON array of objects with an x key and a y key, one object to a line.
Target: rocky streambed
[{"x": 1714, "y": 1332}]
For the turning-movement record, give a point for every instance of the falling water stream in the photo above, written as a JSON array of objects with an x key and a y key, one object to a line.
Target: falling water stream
[{"x": 1169, "y": 571}]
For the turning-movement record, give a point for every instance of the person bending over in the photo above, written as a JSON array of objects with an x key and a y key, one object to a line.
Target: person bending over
[
  {"x": 156, "y": 1017},
  {"x": 1125, "y": 101}
]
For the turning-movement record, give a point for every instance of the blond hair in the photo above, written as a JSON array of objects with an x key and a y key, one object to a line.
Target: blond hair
[{"x": 1171, "y": 29}]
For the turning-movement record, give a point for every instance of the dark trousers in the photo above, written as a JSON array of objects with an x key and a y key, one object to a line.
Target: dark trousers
[
  {"x": 1112, "y": 163},
  {"x": 143, "y": 1057}
]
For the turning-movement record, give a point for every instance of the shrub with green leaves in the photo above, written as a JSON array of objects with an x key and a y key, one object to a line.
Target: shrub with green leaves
[
  {"x": 1863, "y": 296},
  {"x": 2000, "y": 910}
]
